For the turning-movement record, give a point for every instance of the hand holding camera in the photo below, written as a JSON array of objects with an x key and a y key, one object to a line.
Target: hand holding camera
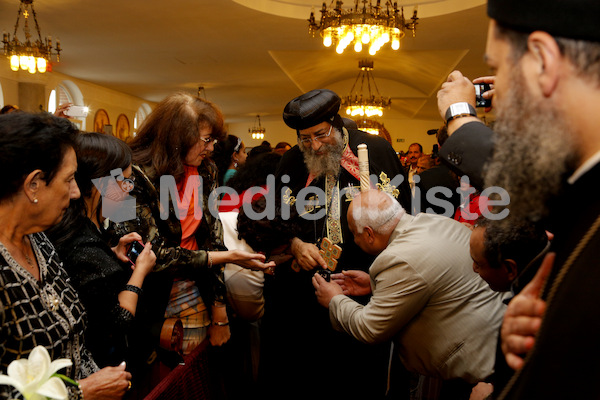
[
  {"x": 77, "y": 111},
  {"x": 484, "y": 91},
  {"x": 134, "y": 249},
  {"x": 325, "y": 273}
]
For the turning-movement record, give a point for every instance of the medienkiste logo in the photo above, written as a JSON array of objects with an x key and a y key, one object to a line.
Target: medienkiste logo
[{"x": 117, "y": 204}]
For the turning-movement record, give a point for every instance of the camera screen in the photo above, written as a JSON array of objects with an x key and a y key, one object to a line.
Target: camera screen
[
  {"x": 134, "y": 251},
  {"x": 480, "y": 89}
]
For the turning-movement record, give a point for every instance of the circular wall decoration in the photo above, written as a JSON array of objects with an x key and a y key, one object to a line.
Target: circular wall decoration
[
  {"x": 122, "y": 131},
  {"x": 101, "y": 119}
]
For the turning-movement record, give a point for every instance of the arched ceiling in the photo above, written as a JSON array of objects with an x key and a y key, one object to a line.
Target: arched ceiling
[{"x": 251, "y": 56}]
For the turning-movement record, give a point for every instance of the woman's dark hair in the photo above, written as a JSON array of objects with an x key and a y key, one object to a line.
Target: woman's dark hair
[
  {"x": 97, "y": 155},
  {"x": 254, "y": 172},
  {"x": 29, "y": 142},
  {"x": 265, "y": 235},
  {"x": 224, "y": 150},
  {"x": 172, "y": 129},
  {"x": 9, "y": 108},
  {"x": 258, "y": 150},
  {"x": 282, "y": 145}
]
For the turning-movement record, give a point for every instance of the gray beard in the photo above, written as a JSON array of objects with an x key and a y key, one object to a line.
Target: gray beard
[
  {"x": 533, "y": 153},
  {"x": 328, "y": 163}
]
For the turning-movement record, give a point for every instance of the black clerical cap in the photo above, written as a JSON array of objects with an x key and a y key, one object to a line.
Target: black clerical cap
[
  {"x": 311, "y": 109},
  {"x": 573, "y": 19}
]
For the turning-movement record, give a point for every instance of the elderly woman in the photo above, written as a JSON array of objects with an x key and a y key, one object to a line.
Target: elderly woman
[
  {"x": 38, "y": 305},
  {"x": 174, "y": 178}
]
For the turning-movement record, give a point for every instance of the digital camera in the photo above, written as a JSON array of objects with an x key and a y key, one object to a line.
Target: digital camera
[
  {"x": 134, "y": 250},
  {"x": 480, "y": 89}
]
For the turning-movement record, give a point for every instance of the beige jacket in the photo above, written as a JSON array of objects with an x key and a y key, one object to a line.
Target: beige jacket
[{"x": 444, "y": 319}]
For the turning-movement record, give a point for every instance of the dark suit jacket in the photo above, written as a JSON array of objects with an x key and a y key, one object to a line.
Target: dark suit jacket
[
  {"x": 468, "y": 151},
  {"x": 437, "y": 177}
]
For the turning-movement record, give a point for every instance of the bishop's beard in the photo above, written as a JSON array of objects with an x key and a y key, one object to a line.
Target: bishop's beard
[
  {"x": 533, "y": 152},
  {"x": 327, "y": 163}
]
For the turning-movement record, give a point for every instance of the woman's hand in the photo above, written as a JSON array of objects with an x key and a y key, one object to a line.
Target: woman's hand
[
  {"x": 145, "y": 261},
  {"x": 353, "y": 282},
  {"x": 61, "y": 109},
  {"x": 108, "y": 383},
  {"x": 120, "y": 249},
  {"x": 219, "y": 334},
  {"x": 245, "y": 259}
]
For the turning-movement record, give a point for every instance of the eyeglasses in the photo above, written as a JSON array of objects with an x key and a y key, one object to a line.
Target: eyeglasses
[
  {"x": 308, "y": 141},
  {"x": 208, "y": 140}
]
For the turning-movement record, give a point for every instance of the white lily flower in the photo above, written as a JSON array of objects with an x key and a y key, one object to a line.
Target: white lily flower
[{"x": 33, "y": 376}]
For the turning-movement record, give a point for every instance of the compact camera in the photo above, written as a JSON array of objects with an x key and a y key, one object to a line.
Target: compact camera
[
  {"x": 134, "y": 250},
  {"x": 325, "y": 273},
  {"x": 480, "y": 89},
  {"x": 77, "y": 111}
]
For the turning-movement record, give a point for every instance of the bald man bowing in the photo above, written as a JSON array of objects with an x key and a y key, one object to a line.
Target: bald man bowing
[{"x": 425, "y": 296}]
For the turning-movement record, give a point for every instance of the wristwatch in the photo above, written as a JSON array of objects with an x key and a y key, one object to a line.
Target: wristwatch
[{"x": 459, "y": 110}]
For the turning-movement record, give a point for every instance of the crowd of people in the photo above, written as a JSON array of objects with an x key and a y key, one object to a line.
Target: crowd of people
[{"x": 282, "y": 272}]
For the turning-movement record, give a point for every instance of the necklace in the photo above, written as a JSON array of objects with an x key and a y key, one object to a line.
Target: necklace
[
  {"x": 30, "y": 264},
  {"x": 28, "y": 259}
]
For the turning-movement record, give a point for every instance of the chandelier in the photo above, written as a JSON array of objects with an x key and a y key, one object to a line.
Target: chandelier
[
  {"x": 257, "y": 131},
  {"x": 32, "y": 56},
  {"x": 363, "y": 102},
  {"x": 364, "y": 25},
  {"x": 374, "y": 128}
]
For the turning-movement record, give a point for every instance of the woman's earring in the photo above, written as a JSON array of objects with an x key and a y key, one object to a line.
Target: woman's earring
[{"x": 35, "y": 201}]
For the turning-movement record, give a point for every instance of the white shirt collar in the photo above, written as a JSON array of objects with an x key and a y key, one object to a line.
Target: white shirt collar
[{"x": 585, "y": 167}]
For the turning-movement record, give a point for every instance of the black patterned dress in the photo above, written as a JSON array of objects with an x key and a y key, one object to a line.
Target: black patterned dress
[{"x": 45, "y": 312}]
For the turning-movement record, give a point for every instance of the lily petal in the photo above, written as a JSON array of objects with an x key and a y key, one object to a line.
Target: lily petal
[
  {"x": 59, "y": 364},
  {"x": 54, "y": 388},
  {"x": 39, "y": 364},
  {"x": 7, "y": 380},
  {"x": 17, "y": 370}
]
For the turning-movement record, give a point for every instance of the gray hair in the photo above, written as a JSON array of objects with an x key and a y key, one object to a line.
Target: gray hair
[{"x": 380, "y": 215}]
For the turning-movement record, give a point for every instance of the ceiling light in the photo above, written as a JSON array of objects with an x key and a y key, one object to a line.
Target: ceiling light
[
  {"x": 370, "y": 25},
  {"x": 374, "y": 128},
  {"x": 257, "y": 131},
  {"x": 32, "y": 56},
  {"x": 364, "y": 102}
]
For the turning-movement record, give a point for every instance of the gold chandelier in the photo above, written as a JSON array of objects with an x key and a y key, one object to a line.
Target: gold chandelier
[
  {"x": 363, "y": 102},
  {"x": 369, "y": 26},
  {"x": 257, "y": 131},
  {"x": 31, "y": 56}
]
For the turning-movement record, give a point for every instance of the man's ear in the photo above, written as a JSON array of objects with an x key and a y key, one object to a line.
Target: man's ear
[
  {"x": 511, "y": 269},
  {"x": 546, "y": 55},
  {"x": 369, "y": 234}
]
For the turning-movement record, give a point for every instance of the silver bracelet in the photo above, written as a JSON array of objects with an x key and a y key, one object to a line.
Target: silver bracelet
[
  {"x": 80, "y": 392},
  {"x": 134, "y": 289},
  {"x": 210, "y": 263}
]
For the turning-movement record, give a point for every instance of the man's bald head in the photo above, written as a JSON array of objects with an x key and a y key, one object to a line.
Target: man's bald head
[{"x": 376, "y": 209}]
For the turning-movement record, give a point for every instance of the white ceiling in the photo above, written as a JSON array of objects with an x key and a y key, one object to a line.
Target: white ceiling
[{"x": 252, "y": 59}]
